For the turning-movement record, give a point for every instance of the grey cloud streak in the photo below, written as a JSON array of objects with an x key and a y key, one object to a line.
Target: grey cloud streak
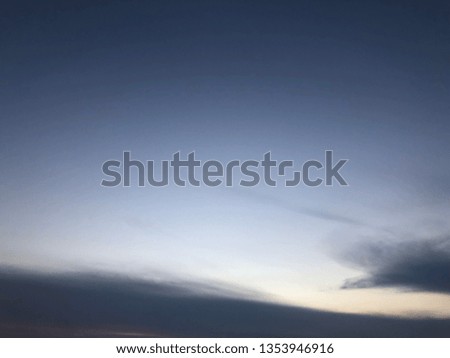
[{"x": 293, "y": 207}]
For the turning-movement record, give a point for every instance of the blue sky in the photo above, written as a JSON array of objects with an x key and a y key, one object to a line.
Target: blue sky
[{"x": 81, "y": 83}]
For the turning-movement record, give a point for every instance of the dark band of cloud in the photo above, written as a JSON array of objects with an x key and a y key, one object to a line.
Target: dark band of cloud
[
  {"x": 416, "y": 265},
  {"x": 42, "y": 305}
]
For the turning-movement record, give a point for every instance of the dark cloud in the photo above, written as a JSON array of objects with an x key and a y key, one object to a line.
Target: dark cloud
[
  {"x": 43, "y": 305},
  {"x": 418, "y": 265}
]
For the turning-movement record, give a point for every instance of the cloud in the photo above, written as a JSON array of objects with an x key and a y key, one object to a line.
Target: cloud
[
  {"x": 418, "y": 265},
  {"x": 311, "y": 212},
  {"x": 44, "y": 305}
]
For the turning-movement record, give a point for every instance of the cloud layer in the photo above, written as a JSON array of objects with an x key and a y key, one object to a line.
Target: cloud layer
[{"x": 43, "y": 305}]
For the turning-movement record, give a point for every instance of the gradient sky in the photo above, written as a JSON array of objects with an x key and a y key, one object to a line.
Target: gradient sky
[{"x": 83, "y": 81}]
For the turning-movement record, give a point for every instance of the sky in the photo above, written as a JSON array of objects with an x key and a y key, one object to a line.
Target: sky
[{"x": 82, "y": 82}]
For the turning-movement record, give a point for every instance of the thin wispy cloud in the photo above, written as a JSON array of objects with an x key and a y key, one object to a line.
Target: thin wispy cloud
[{"x": 311, "y": 212}]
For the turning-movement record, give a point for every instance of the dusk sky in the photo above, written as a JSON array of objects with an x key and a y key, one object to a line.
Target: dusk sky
[{"x": 84, "y": 81}]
